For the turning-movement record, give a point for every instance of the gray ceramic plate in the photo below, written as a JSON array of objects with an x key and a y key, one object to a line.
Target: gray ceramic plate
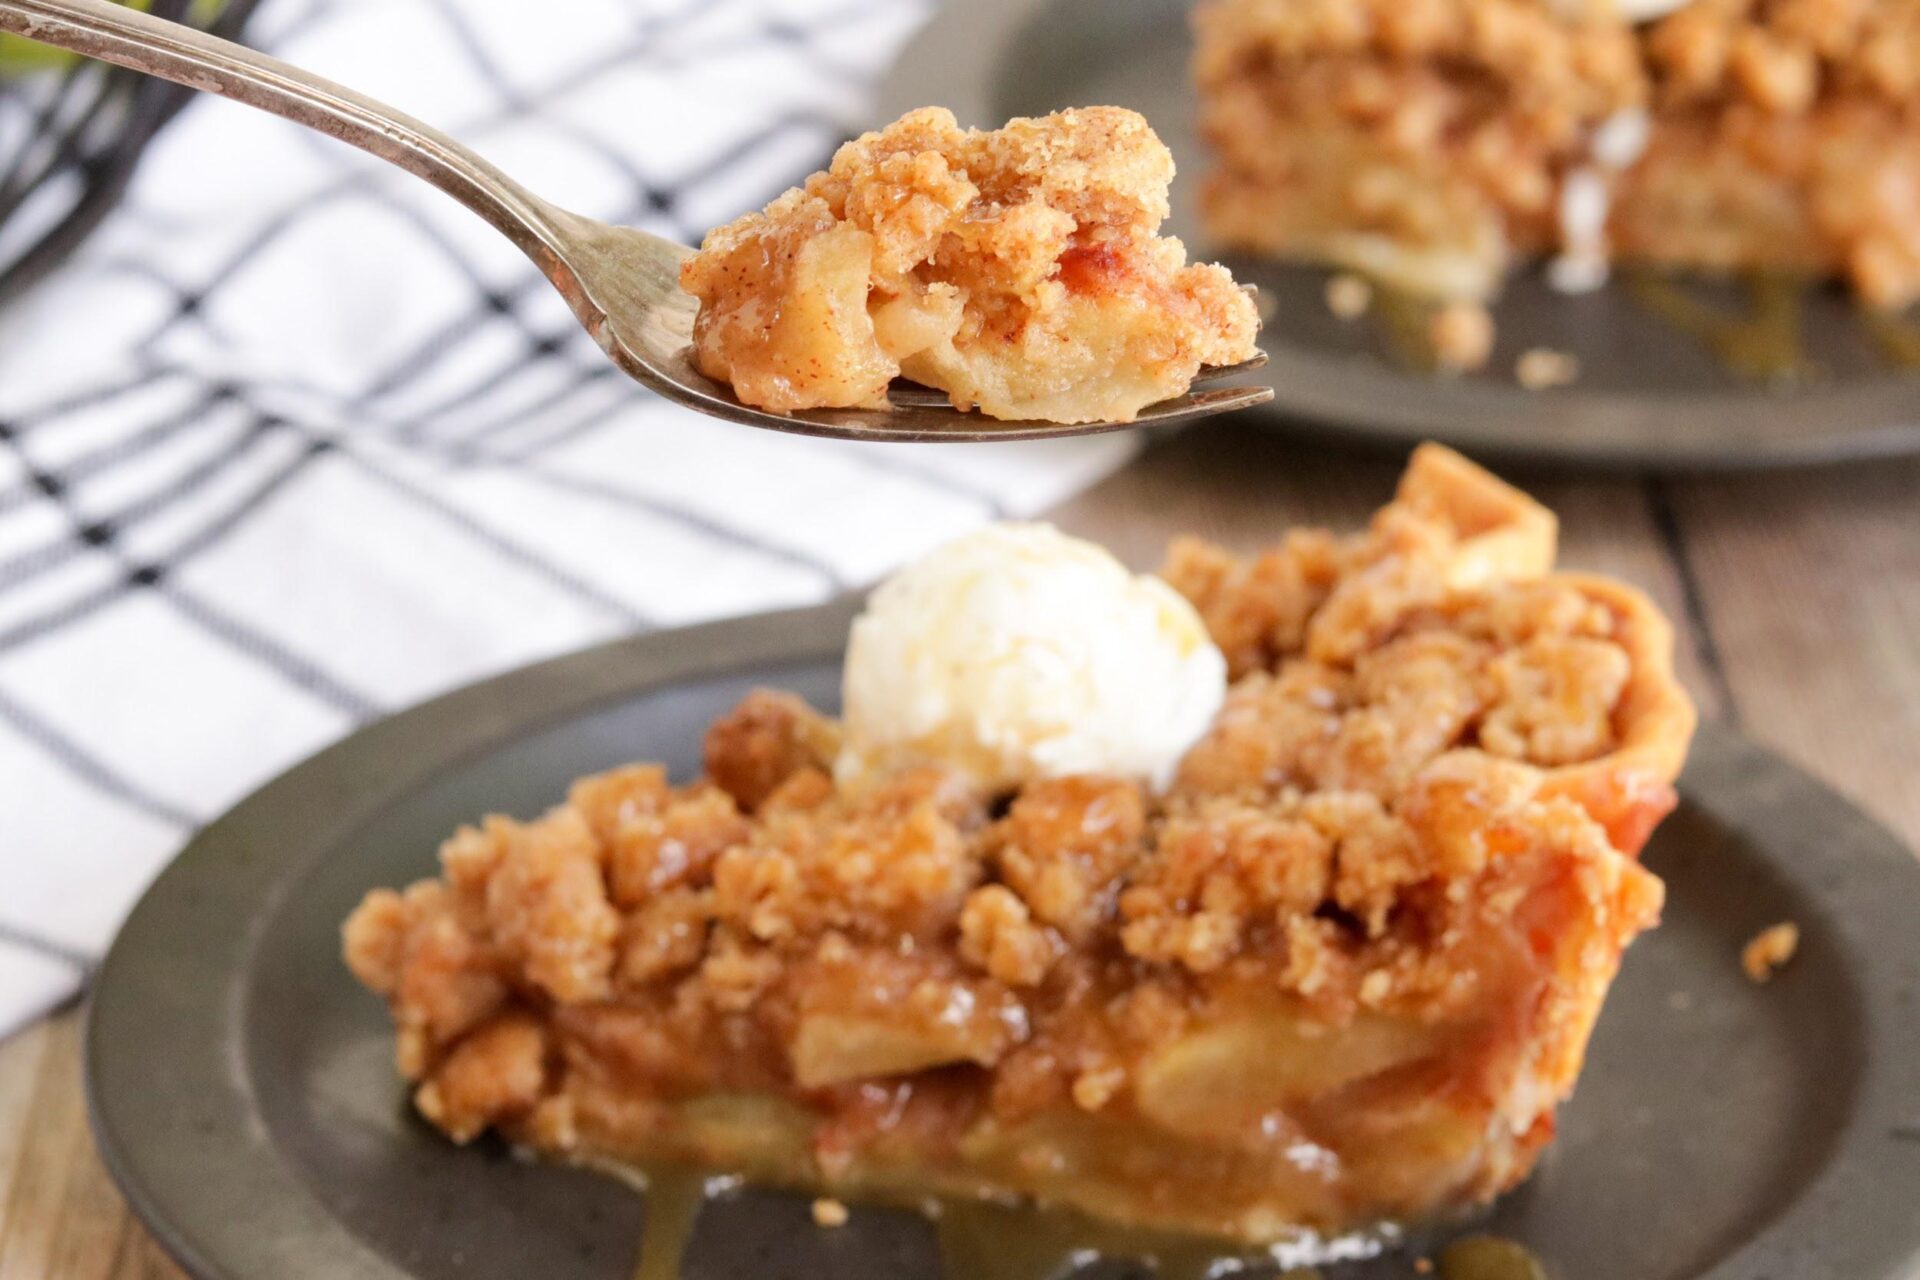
[
  {"x": 1648, "y": 396},
  {"x": 243, "y": 1094}
]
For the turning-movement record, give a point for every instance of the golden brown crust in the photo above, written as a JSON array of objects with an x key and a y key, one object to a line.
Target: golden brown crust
[
  {"x": 1630, "y": 788},
  {"x": 1017, "y": 269},
  {"x": 1501, "y": 533},
  {"x": 1441, "y": 626}
]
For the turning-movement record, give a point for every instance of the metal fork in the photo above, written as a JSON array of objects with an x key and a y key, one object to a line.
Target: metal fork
[{"x": 622, "y": 284}]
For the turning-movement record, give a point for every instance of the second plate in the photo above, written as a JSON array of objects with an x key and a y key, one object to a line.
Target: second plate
[{"x": 1648, "y": 396}]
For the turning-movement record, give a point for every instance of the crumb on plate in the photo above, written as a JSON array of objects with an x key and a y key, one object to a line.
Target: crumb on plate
[
  {"x": 1542, "y": 368},
  {"x": 1349, "y": 296},
  {"x": 1769, "y": 950},
  {"x": 1462, "y": 335},
  {"x": 828, "y": 1212}
]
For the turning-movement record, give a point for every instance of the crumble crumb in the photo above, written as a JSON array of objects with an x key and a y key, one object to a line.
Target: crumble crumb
[
  {"x": 829, "y": 1213},
  {"x": 1462, "y": 336},
  {"x": 1423, "y": 1266},
  {"x": 1541, "y": 368},
  {"x": 1349, "y": 296},
  {"x": 1094, "y": 1089},
  {"x": 1769, "y": 950}
]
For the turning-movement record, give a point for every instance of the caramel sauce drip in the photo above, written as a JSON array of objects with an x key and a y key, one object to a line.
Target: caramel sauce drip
[
  {"x": 982, "y": 1240},
  {"x": 978, "y": 1239},
  {"x": 675, "y": 1194},
  {"x": 1488, "y": 1258},
  {"x": 1766, "y": 342},
  {"x": 1405, "y": 321},
  {"x": 1897, "y": 336}
]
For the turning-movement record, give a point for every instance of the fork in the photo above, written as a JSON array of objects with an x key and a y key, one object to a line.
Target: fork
[{"x": 622, "y": 284}]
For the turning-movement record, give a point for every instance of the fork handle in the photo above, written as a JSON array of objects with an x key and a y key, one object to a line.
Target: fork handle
[{"x": 176, "y": 52}]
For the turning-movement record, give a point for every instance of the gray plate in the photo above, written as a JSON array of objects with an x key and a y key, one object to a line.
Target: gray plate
[
  {"x": 242, "y": 1089},
  {"x": 1648, "y": 395}
]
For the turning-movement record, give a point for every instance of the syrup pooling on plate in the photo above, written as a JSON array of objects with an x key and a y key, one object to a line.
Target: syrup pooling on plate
[
  {"x": 1489, "y": 1258},
  {"x": 1897, "y": 336},
  {"x": 1766, "y": 342},
  {"x": 1405, "y": 323},
  {"x": 1763, "y": 340},
  {"x": 991, "y": 1240},
  {"x": 674, "y": 1195}
]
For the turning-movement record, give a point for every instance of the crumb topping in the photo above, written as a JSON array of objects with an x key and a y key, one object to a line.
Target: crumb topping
[
  {"x": 1783, "y": 55},
  {"x": 1769, "y": 950},
  {"x": 1558, "y": 69}
]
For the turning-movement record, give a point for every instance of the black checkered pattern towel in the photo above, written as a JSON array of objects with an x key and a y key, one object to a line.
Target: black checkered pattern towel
[{"x": 295, "y": 440}]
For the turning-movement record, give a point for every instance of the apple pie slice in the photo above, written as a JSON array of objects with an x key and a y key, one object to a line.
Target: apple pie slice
[
  {"x": 1340, "y": 971},
  {"x": 1436, "y": 144},
  {"x": 1016, "y": 269}
]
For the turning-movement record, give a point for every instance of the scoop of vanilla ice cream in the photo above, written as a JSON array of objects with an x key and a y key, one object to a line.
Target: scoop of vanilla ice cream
[{"x": 1017, "y": 653}]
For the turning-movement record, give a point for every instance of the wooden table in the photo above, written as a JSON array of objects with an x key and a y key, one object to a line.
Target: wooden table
[{"x": 1796, "y": 599}]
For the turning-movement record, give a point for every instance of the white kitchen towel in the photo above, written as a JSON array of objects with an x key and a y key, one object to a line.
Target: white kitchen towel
[{"x": 295, "y": 440}]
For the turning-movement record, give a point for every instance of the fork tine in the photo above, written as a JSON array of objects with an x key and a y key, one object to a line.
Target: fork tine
[
  {"x": 911, "y": 395},
  {"x": 1216, "y": 372},
  {"x": 935, "y": 420},
  {"x": 941, "y": 421},
  {"x": 1201, "y": 404},
  {"x": 1193, "y": 404}
]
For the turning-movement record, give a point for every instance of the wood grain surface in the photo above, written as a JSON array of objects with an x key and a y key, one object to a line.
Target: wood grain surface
[{"x": 1796, "y": 599}]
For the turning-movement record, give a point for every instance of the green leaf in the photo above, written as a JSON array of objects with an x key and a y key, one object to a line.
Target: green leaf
[{"x": 19, "y": 55}]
